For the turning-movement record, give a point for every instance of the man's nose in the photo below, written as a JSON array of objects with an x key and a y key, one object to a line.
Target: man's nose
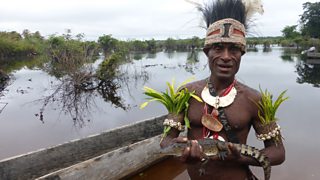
[{"x": 226, "y": 54}]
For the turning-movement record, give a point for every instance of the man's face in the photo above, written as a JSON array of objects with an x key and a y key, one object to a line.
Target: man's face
[{"x": 224, "y": 59}]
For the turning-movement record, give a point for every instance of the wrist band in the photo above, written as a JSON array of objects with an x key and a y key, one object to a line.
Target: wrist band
[
  {"x": 275, "y": 132},
  {"x": 173, "y": 124}
]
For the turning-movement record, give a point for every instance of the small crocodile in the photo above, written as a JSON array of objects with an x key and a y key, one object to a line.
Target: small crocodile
[{"x": 212, "y": 147}]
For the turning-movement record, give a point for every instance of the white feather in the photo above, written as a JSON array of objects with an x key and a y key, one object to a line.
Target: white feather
[
  {"x": 252, "y": 7},
  {"x": 197, "y": 4}
]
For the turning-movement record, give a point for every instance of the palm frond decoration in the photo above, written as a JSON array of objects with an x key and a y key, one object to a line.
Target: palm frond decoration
[
  {"x": 174, "y": 99},
  {"x": 267, "y": 114},
  {"x": 268, "y": 108}
]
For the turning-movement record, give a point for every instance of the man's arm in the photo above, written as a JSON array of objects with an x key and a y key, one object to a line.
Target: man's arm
[
  {"x": 274, "y": 151},
  {"x": 170, "y": 138},
  {"x": 273, "y": 148}
]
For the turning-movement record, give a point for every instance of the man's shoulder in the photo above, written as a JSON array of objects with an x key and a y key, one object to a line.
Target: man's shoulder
[
  {"x": 196, "y": 85},
  {"x": 248, "y": 91}
]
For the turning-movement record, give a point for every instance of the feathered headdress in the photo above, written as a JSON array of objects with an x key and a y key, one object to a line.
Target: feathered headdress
[{"x": 227, "y": 20}]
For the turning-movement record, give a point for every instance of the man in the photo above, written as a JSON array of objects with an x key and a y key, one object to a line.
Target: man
[{"x": 223, "y": 94}]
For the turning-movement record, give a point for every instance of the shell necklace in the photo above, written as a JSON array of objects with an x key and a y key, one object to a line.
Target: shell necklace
[{"x": 225, "y": 100}]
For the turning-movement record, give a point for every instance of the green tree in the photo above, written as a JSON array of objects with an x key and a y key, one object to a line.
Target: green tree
[
  {"x": 310, "y": 19},
  {"x": 196, "y": 43},
  {"x": 290, "y": 32},
  {"x": 170, "y": 44},
  {"x": 108, "y": 43},
  {"x": 151, "y": 45},
  {"x": 37, "y": 35},
  {"x": 137, "y": 45},
  {"x": 13, "y": 35},
  {"x": 26, "y": 33},
  {"x": 13, "y": 45}
]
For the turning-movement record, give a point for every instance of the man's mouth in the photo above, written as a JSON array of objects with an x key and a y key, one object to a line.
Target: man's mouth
[{"x": 224, "y": 67}]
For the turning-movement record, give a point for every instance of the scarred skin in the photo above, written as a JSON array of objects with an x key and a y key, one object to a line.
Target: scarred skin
[{"x": 224, "y": 62}]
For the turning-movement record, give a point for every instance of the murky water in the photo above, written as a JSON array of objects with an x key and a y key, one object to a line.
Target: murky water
[{"x": 22, "y": 128}]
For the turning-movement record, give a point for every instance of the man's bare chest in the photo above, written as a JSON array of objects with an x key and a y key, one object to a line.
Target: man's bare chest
[{"x": 237, "y": 116}]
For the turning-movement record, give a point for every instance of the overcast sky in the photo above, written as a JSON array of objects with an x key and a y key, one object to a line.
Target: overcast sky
[{"x": 131, "y": 19}]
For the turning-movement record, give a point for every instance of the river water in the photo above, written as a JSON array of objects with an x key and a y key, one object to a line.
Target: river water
[{"x": 27, "y": 125}]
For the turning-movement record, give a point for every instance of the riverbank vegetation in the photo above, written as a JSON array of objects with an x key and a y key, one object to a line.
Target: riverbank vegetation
[
  {"x": 307, "y": 32},
  {"x": 58, "y": 49},
  {"x": 13, "y": 44}
]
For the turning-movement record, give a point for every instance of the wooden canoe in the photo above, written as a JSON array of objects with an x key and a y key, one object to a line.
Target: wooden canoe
[{"x": 110, "y": 155}]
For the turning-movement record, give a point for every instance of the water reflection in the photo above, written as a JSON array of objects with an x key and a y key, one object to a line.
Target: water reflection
[
  {"x": 72, "y": 96},
  {"x": 267, "y": 46},
  {"x": 192, "y": 61},
  {"x": 267, "y": 49},
  {"x": 287, "y": 57},
  {"x": 170, "y": 54},
  {"x": 309, "y": 72},
  {"x": 10, "y": 65},
  {"x": 4, "y": 78},
  {"x": 77, "y": 86},
  {"x": 288, "y": 54},
  {"x": 151, "y": 55},
  {"x": 141, "y": 55},
  {"x": 193, "y": 57},
  {"x": 137, "y": 56},
  {"x": 252, "y": 49}
]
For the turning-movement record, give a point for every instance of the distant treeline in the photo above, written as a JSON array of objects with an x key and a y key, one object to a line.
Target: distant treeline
[
  {"x": 14, "y": 44},
  {"x": 298, "y": 42}
]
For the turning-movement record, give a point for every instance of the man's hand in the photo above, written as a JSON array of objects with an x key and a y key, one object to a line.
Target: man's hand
[
  {"x": 232, "y": 154},
  {"x": 193, "y": 152},
  {"x": 168, "y": 141}
]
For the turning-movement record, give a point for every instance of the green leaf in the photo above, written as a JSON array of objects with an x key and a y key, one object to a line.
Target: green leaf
[
  {"x": 169, "y": 101},
  {"x": 186, "y": 119},
  {"x": 171, "y": 89},
  {"x": 143, "y": 105},
  {"x": 196, "y": 97},
  {"x": 182, "y": 103},
  {"x": 147, "y": 89},
  {"x": 154, "y": 95},
  {"x": 166, "y": 129},
  {"x": 185, "y": 82}
]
